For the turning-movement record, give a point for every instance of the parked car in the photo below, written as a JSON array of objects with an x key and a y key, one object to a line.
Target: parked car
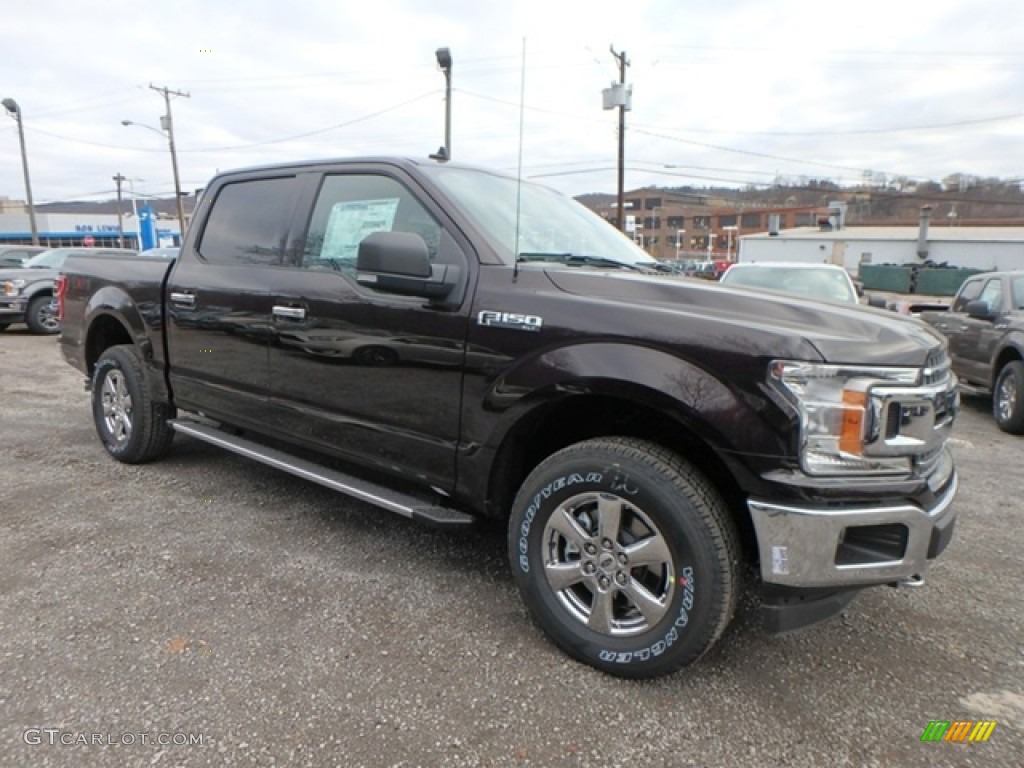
[
  {"x": 15, "y": 256},
  {"x": 26, "y": 294},
  {"x": 985, "y": 329},
  {"x": 826, "y": 282}
]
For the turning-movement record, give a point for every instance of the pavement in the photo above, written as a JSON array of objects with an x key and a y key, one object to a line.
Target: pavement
[{"x": 207, "y": 611}]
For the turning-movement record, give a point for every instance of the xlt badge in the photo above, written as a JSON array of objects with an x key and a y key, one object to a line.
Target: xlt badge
[{"x": 494, "y": 319}]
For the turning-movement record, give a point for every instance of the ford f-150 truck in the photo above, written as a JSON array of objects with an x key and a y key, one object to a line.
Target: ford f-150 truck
[
  {"x": 452, "y": 344},
  {"x": 985, "y": 330}
]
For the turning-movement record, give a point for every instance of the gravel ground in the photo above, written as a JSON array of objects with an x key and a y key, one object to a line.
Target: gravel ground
[{"x": 205, "y": 596}]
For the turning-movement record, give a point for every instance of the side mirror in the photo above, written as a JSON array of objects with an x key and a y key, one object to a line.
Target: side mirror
[
  {"x": 859, "y": 286},
  {"x": 980, "y": 310},
  {"x": 399, "y": 262}
]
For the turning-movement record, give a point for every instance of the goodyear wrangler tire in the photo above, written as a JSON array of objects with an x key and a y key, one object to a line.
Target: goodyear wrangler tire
[
  {"x": 130, "y": 424},
  {"x": 625, "y": 555}
]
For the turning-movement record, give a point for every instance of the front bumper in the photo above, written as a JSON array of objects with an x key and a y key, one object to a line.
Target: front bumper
[
  {"x": 851, "y": 546},
  {"x": 12, "y": 309}
]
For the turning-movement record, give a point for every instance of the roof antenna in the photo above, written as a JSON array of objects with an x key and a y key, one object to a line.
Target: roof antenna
[{"x": 519, "y": 172}]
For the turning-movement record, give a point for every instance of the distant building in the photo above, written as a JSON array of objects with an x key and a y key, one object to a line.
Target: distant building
[
  {"x": 77, "y": 229},
  {"x": 670, "y": 225},
  {"x": 983, "y": 248}
]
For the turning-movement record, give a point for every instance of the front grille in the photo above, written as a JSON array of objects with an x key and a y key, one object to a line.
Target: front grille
[{"x": 936, "y": 367}]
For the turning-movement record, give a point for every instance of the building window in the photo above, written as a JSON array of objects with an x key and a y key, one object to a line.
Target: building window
[
  {"x": 751, "y": 220},
  {"x": 652, "y": 202},
  {"x": 676, "y": 222},
  {"x": 633, "y": 204},
  {"x": 804, "y": 220},
  {"x": 702, "y": 222},
  {"x": 727, "y": 220},
  {"x": 652, "y": 222}
]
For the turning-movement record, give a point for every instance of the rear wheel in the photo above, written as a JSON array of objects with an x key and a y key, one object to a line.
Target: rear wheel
[
  {"x": 41, "y": 317},
  {"x": 625, "y": 555},
  {"x": 1008, "y": 398},
  {"x": 4, "y": 327},
  {"x": 132, "y": 427}
]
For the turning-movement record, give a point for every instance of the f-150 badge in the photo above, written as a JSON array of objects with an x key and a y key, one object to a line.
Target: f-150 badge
[{"x": 518, "y": 322}]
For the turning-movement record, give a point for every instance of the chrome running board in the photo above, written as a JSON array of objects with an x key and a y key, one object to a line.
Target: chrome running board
[{"x": 403, "y": 504}]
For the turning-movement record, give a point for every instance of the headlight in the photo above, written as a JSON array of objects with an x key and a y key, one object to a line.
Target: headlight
[
  {"x": 836, "y": 417},
  {"x": 12, "y": 287}
]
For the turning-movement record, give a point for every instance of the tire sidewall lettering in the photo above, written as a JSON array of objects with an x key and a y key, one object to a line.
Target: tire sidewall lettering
[{"x": 554, "y": 486}]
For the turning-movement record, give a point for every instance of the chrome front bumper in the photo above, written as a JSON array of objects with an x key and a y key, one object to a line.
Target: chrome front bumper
[{"x": 835, "y": 547}]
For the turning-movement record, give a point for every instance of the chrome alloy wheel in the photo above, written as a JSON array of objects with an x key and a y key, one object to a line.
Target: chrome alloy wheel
[
  {"x": 608, "y": 564},
  {"x": 47, "y": 317},
  {"x": 117, "y": 406},
  {"x": 1006, "y": 397}
]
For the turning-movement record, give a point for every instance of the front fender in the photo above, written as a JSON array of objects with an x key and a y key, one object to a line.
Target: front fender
[{"x": 732, "y": 417}]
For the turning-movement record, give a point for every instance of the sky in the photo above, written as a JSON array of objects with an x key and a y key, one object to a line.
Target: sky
[{"x": 726, "y": 93}]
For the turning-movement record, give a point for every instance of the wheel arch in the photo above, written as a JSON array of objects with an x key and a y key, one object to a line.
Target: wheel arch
[
  {"x": 112, "y": 318},
  {"x": 557, "y": 424},
  {"x": 1010, "y": 352}
]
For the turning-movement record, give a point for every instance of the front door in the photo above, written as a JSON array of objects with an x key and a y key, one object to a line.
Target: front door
[{"x": 371, "y": 376}]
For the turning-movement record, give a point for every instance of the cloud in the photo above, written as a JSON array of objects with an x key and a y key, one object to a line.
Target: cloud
[{"x": 791, "y": 87}]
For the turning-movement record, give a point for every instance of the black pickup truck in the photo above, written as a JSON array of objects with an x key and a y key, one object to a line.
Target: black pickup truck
[
  {"x": 453, "y": 344},
  {"x": 985, "y": 329}
]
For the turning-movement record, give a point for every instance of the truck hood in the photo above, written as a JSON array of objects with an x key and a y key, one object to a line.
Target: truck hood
[
  {"x": 29, "y": 275},
  {"x": 851, "y": 334}
]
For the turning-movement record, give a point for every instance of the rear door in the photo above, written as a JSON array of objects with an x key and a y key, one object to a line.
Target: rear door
[
  {"x": 218, "y": 299},
  {"x": 371, "y": 376}
]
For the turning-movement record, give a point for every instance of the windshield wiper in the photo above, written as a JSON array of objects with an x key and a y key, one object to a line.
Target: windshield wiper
[{"x": 575, "y": 258}]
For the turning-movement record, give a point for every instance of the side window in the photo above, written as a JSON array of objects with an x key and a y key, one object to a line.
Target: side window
[
  {"x": 249, "y": 222},
  {"x": 350, "y": 207},
  {"x": 970, "y": 292},
  {"x": 1017, "y": 288},
  {"x": 993, "y": 295}
]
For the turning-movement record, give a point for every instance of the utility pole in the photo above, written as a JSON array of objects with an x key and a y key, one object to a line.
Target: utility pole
[
  {"x": 120, "y": 223},
  {"x": 623, "y": 63},
  {"x": 167, "y": 123}
]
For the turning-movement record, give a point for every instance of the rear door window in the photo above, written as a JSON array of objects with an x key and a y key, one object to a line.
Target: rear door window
[{"x": 249, "y": 222}]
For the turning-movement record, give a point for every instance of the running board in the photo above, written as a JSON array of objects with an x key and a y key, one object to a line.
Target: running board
[{"x": 403, "y": 504}]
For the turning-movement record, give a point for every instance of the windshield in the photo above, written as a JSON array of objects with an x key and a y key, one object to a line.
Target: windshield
[
  {"x": 814, "y": 282},
  {"x": 53, "y": 259},
  {"x": 551, "y": 226}
]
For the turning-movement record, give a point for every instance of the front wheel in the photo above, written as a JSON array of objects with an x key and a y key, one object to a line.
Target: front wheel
[
  {"x": 40, "y": 316},
  {"x": 1008, "y": 398},
  {"x": 131, "y": 425},
  {"x": 625, "y": 555}
]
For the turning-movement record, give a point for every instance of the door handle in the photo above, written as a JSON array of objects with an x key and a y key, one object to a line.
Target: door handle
[
  {"x": 187, "y": 299},
  {"x": 290, "y": 313}
]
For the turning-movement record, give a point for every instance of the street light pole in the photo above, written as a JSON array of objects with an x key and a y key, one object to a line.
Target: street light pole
[
  {"x": 15, "y": 112},
  {"x": 679, "y": 238},
  {"x": 444, "y": 61}
]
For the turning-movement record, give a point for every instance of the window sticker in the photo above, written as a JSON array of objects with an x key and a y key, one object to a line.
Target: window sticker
[{"x": 350, "y": 222}]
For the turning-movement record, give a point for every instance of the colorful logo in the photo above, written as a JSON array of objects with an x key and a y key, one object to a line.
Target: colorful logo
[{"x": 958, "y": 730}]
